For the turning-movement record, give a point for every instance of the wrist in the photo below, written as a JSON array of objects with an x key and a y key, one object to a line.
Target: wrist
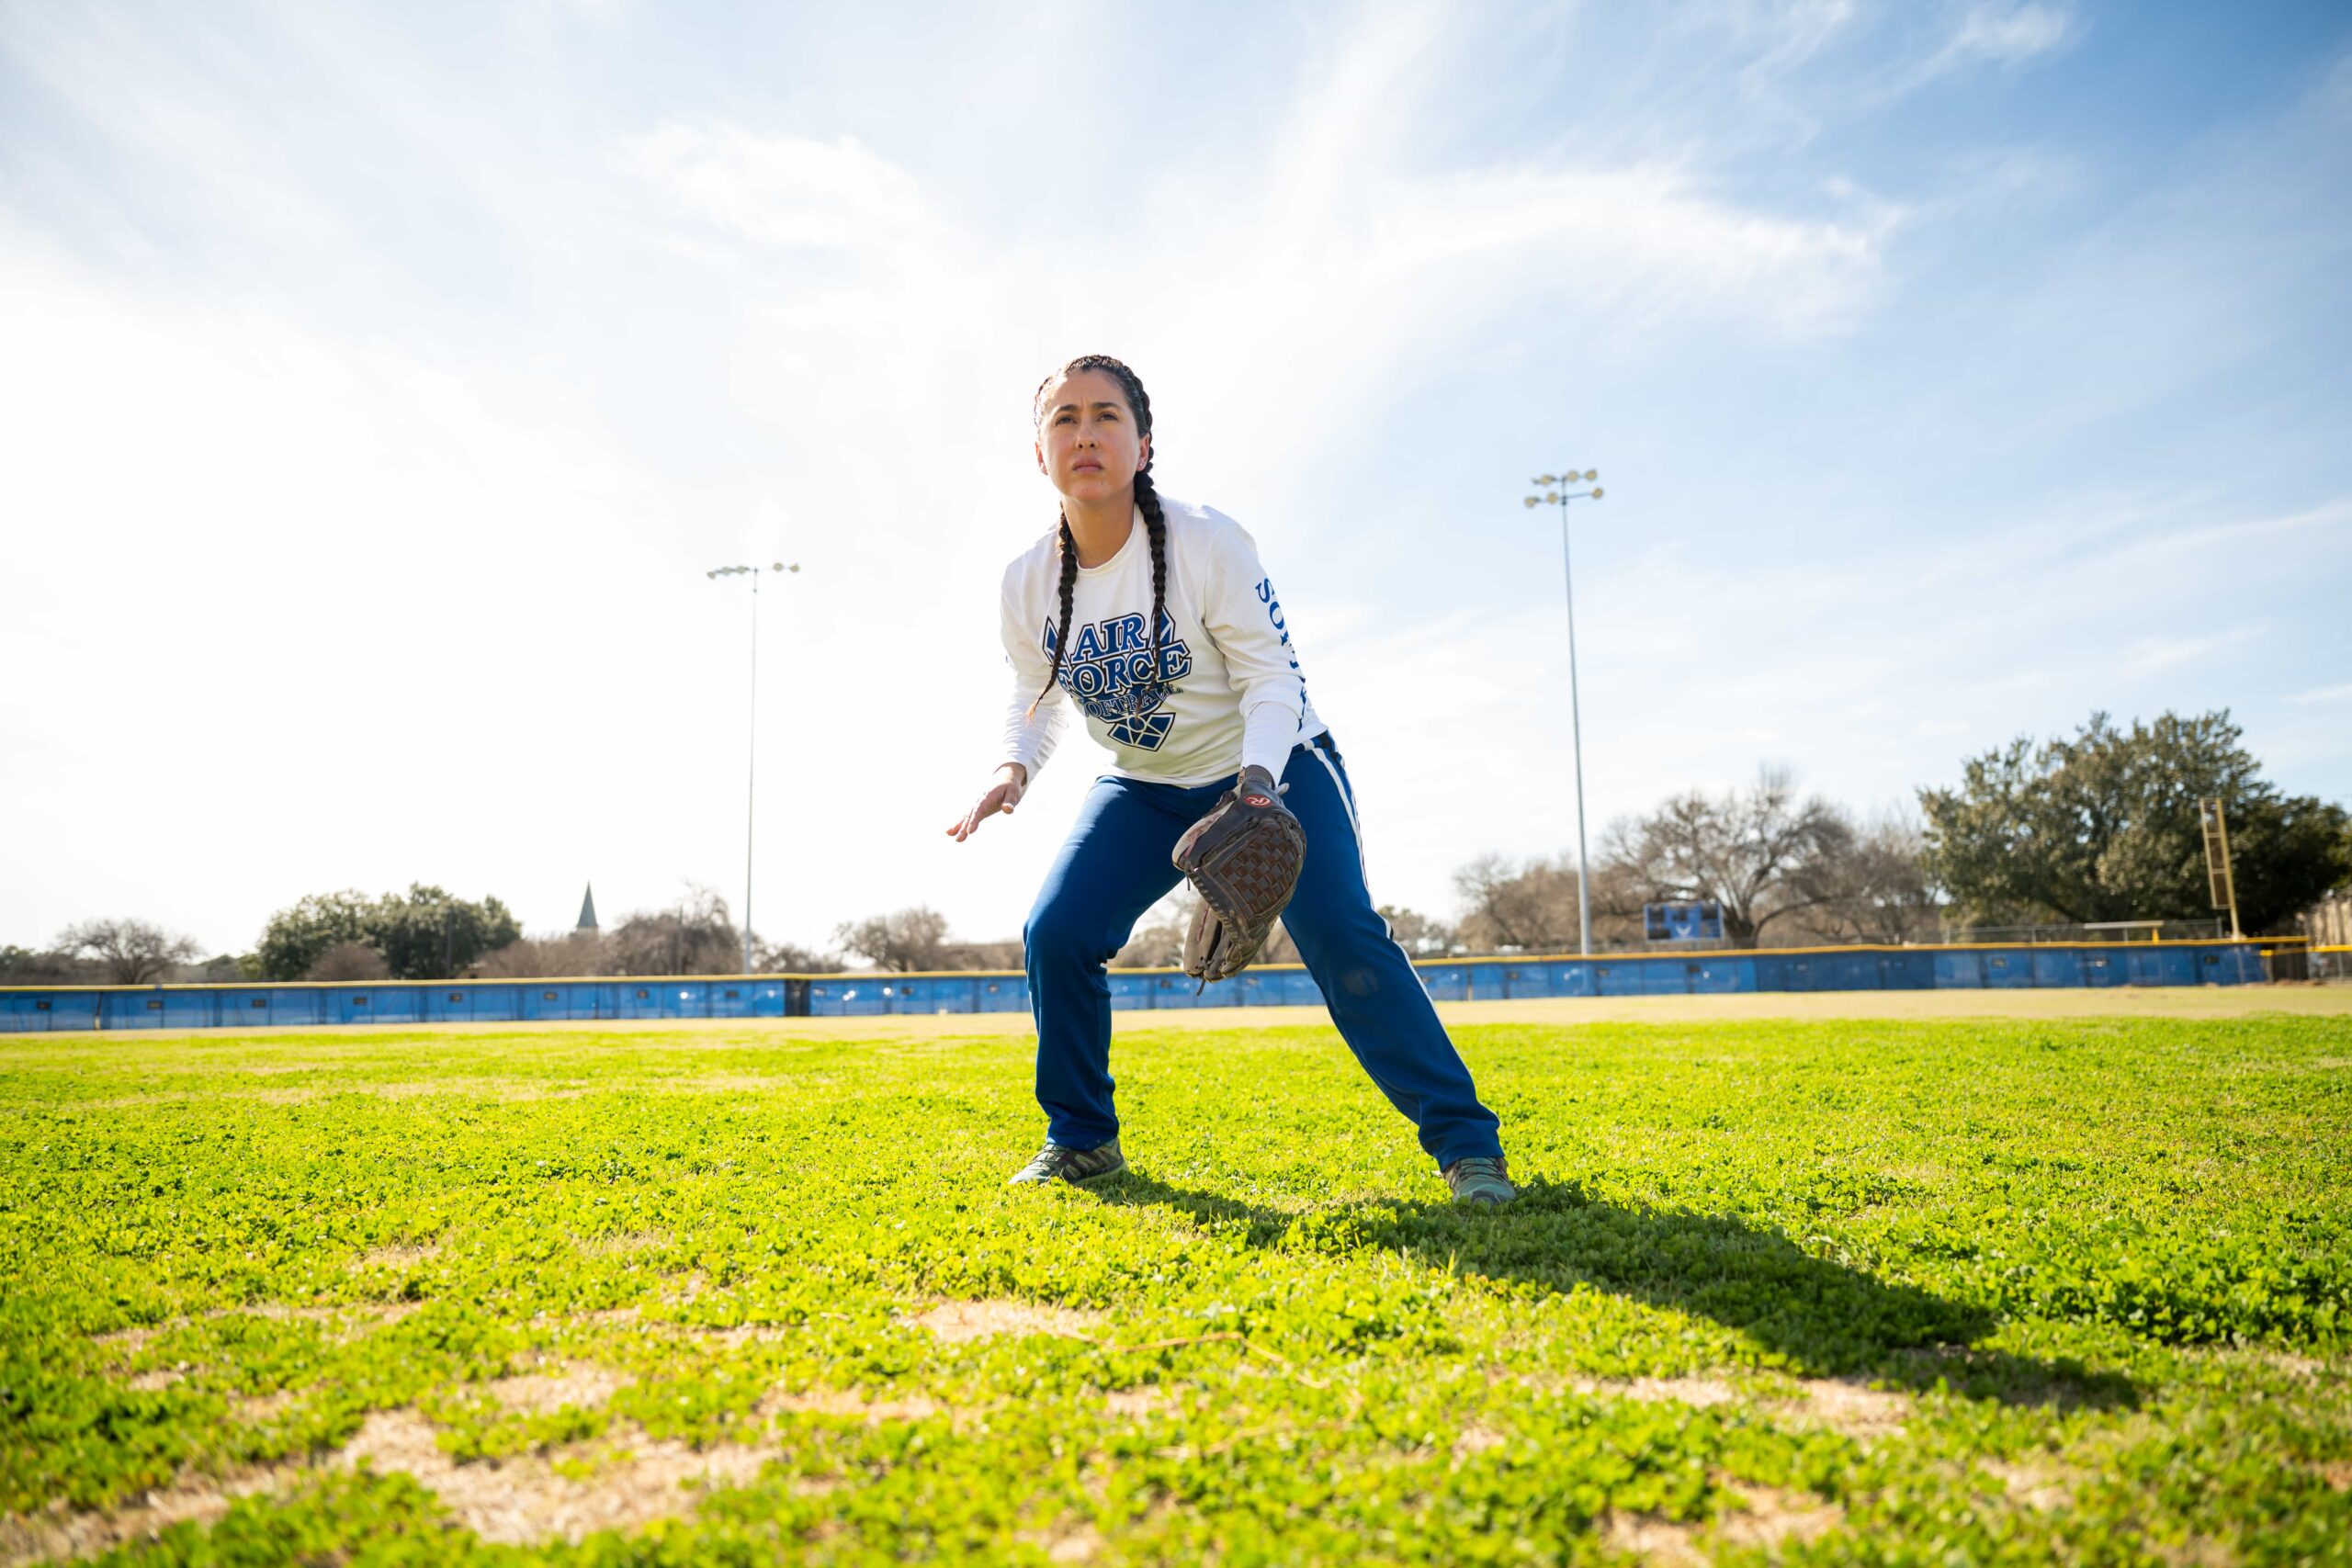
[{"x": 1014, "y": 773}]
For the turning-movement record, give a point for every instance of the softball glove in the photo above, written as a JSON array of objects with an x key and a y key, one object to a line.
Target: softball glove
[{"x": 1243, "y": 859}]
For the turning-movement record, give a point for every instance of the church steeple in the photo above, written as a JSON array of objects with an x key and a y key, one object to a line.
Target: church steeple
[{"x": 588, "y": 908}]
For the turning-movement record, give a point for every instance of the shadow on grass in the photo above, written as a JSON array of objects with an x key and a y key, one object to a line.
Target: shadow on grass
[{"x": 1827, "y": 1318}]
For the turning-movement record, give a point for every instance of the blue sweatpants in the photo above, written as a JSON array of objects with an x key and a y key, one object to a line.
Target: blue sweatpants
[{"x": 1116, "y": 867}]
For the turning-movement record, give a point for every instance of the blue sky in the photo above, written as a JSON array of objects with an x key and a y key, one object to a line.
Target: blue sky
[{"x": 381, "y": 382}]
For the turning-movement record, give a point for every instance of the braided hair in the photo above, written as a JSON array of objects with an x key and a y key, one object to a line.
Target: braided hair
[{"x": 1154, "y": 521}]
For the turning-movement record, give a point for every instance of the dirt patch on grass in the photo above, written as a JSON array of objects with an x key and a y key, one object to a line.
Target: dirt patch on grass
[
  {"x": 1660, "y": 1542},
  {"x": 1133, "y": 1402},
  {"x": 526, "y": 1501},
  {"x": 1768, "y": 1517},
  {"x": 720, "y": 1083},
  {"x": 2121, "y": 1001},
  {"x": 541, "y": 1392},
  {"x": 397, "y": 1254},
  {"x": 1476, "y": 1439},
  {"x": 501, "y": 1091},
  {"x": 956, "y": 1322},
  {"x": 609, "y": 1317},
  {"x": 740, "y": 1333},
  {"x": 1765, "y": 1518},
  {"x": 834, "y": 1401},
  {"x": 257, "y": 1408},
  {"x": 1698, "y": 1393},
  {"x": 1852, "y": 1408},
  {"x": 2031, "y": 1485},
  {"x": 1079, "y": 1545},
  {"x": 622, "y": 1244},
  {"x": 56, "y": 1534},
  {"x": 1842, "y": 1405},
  {"x": 622, "y": 1482},
  {"x": 130, "y": 1341},
  {"x": 355, "y": 1317},
  {"x": 505, "y": 1091}
]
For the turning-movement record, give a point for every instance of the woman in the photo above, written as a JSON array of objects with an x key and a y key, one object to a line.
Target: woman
[{"x": 1157, "y": 618}]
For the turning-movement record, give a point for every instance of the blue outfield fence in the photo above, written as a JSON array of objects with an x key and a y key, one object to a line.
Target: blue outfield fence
[{"x": 34, "y": 1010}]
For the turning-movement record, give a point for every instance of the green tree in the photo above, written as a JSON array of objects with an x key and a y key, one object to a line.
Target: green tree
[
  {"x": 25, "y": 967},
  {"x": 426, "y": 934},
  {"x": 2103, "y": 825},
  {"x": 299, "y": 937},
  {"x": 423, "y": 934}
]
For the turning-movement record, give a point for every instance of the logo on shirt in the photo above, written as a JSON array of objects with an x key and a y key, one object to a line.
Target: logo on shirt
[
  {"x": 1265, "y": 591},
  {"x": 1108, "y": 672}
]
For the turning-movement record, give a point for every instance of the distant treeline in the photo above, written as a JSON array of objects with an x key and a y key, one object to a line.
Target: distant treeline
[{"x": 2099, "y": 826}]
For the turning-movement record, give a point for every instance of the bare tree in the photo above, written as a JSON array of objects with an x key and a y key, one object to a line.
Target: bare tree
[
  {"x": 132, "y": 952},
  {"x": 1758, "y": 852},
  {"x": 1416, "y": 934},
  {"x": 557, "y": 955},
  {"x": 904, "y": 940},
  {"x": 694, "y": 933},
  {"x": 350, "y": 961},
  {"x": 1157, "y": 941},
  {"x": 693, "y": 936},
  {"x": 1876, "y": 887},
  {"x": 1531, "y": 907},
  {"x": 1007, "y": 955},
  {"x": 1527, "y": 904},
  {"x": 787, "y": 958}
]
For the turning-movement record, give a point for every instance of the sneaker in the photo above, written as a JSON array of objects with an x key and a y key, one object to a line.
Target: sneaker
[
  {"x": 1478, "y": 1179},
  {"x": 1071, "y": 1165}
]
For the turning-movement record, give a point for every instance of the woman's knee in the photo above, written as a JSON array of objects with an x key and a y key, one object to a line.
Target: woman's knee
[
  {"x": 1061, "y": 929},
  {"x": 1355, "y": 959}
]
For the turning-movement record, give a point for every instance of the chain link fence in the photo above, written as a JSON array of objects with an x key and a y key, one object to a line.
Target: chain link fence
[{"x": 2215, "y": 929}]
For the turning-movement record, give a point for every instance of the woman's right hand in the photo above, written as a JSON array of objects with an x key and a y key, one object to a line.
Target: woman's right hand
[{"x": 1001, "y": 797}]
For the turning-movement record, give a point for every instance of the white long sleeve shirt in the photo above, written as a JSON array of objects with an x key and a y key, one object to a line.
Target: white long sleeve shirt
[{"x": 1228, "y": 692}]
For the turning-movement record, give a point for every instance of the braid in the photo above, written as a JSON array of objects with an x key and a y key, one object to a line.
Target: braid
[
  {"x": 1069, "y": 589},
  {"x": 1155, "y": 524},
  {"x": 1147, "y": 498}
]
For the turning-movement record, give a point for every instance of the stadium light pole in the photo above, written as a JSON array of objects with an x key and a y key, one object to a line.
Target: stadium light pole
[
  {"x": 1555, "y": 493},
  {"x": 751, "y": 746}
]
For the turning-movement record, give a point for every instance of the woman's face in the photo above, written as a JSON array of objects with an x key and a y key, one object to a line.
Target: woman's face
[{"x": 1087, "y": 441}]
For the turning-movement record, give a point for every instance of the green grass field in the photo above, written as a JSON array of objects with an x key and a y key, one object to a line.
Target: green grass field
[{"x": 1926, "y": 1289}]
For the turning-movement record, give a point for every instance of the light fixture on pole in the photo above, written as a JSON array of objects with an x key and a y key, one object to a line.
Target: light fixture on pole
[
  {"x": 750, "y": 770},
  {"x": 1555, "y": 493}
]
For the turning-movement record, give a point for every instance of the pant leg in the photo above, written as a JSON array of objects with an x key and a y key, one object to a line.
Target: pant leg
[
  {"x": 1376, "y": 997},
  {"x": 1114, "y": 866}
]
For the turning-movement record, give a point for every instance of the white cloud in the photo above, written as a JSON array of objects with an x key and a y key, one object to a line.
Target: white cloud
[
  {"x": 2000, "y": 35},
  {"x": 2006, "y": 34},
  {"x": 786, "y": 190}
]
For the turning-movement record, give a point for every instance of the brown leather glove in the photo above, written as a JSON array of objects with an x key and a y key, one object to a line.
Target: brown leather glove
[{"x": 1243, "y": 859}]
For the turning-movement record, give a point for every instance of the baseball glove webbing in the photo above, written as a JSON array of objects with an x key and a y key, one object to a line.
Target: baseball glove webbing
[{"x": 1243, "y": 858}]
